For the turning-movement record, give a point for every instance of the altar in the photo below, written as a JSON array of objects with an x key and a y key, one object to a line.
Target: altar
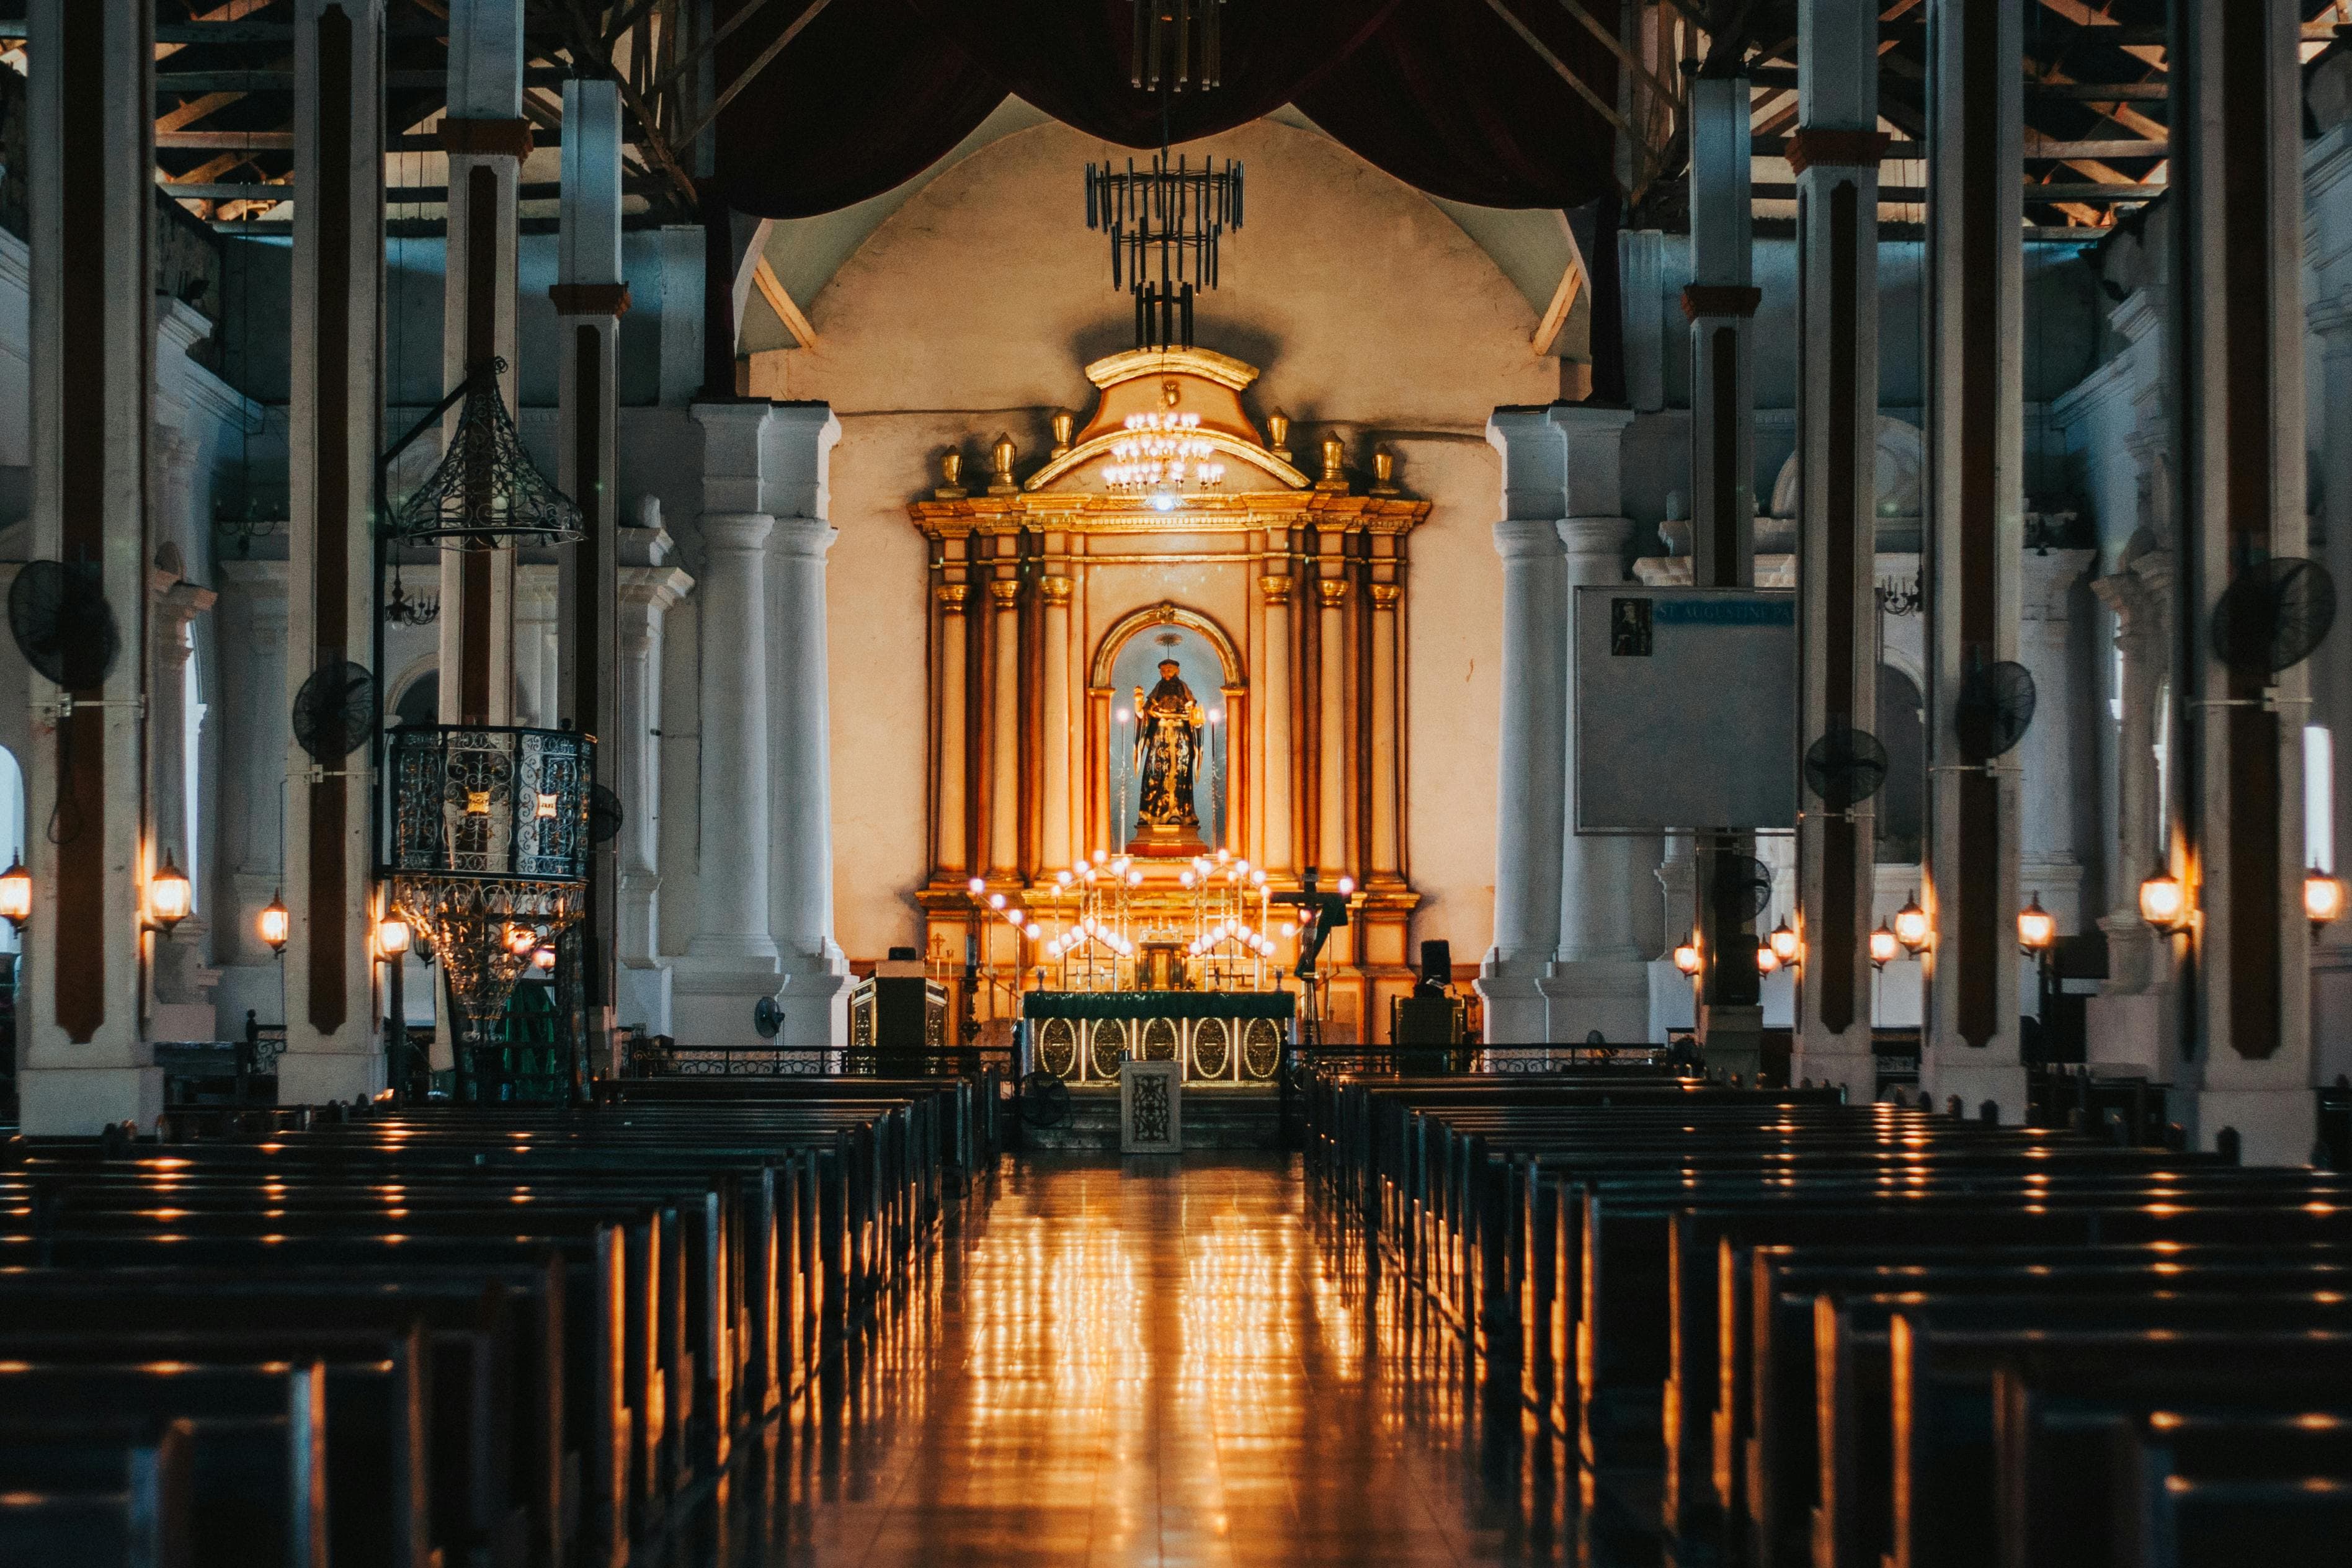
[
  {"x": 1218, "y": 1038},
  {"x": 1166, "y": 644}
]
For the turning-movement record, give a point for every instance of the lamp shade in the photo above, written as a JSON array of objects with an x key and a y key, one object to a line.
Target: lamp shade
[
  {"x": 1784, "y": 943},
  {"x": 1911, "y": 924},
  {"x": 2323, "y": 896},
  {"x": 2037, "y": 928},
  {"x": 276, "y": 923},
  {"x": 169, "y": 896},
  {"x": 394, "y": 935},
  {"x": 1884, "y": 946},
  {"x": 1686, "y": 956},
  {"x": 17, "y": 893},
  {"x": 1766, "y": 961},
  {"x": 2162, "y": 901}
]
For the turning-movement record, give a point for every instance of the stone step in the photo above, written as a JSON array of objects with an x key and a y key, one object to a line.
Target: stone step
[{"x": 1212, "y": 1119}]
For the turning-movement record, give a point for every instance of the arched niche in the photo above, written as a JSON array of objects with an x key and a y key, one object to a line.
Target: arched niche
[
  {"x": 1167, "y": 613},
  {"x": 1128, "y": 659}
]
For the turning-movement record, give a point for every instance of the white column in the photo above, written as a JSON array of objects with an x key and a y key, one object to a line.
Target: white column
[
  {"x": 1273, "y": 699},
  {"x": 1056, "y": 850},
  {"x": 1004, "y": 729},
  {"x": 733, "y": 875},
  {"x": 631, "y": 759},
  {"x": 1976, "y": 439},
  {"x": 1331, "y": 839},
  {"x": 486, "y": 139},
  {"x": 2049, "y": 853},
  {"x": 1598, "y": 978},
  {"x": 250, "y": 849},
  {"x": 732, "y": 959},
  {"x": 178, "y": 1010},
  {"x": 589, "y": 299},
  {"x": 83, "y": 1062},
  {"x": 1641, "y": 257},
  {"x": 952, "y": 857},
  {"x": 816, "y": 974},
  {"x": 1720, "y": 304},
  {"x": 2128, "y": 1024},
  {"x": 2331, "y": 668},
  {"x": 1530, "y": 796},
  {"x": 2237, "y": 342},
  {"x": 1835, "y": 152}
]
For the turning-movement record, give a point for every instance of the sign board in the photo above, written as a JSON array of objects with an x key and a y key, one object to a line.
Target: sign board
[{"x": 1684, "y": 709}]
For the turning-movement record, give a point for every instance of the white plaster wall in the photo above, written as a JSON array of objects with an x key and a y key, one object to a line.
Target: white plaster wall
[{"x": 975, "y": 307}]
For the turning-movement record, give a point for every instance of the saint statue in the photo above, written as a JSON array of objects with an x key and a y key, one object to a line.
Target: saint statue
[{"x": 1167, "y": 755}]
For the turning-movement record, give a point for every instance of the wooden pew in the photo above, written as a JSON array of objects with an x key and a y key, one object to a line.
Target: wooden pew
[{"x": 105, "y": 1494}]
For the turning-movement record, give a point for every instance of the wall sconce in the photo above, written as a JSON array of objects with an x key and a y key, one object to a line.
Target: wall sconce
[
  {"x": 1766, "y": 961},
  {"x": 2323, "y": 897},
  {"x": 1883, "y": 946},
  {"x": 1911, "y": 925},
  {"x": 2163, "y": 903},
  {"x": 276, "y": 924},
  {"x": 17, "y": 893},
  {"x": 542, "y": 958},
  {"x": 394, "y": 935},
  {"x": 2037, "y": 928},
  {"x": 1686, "y": 956},
  {"x": 1783, "y": 941},
  {"x": 168, "y": 897}
]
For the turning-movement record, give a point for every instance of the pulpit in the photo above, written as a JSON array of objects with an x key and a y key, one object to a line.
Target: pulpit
[{"x": 1163, "y": 642}]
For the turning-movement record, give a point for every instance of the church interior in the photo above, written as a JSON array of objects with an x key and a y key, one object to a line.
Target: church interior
[{"x": 1175, "y": 781}]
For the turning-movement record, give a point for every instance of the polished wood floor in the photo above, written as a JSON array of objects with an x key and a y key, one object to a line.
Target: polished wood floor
[{"x": 1148, "y": 1363}]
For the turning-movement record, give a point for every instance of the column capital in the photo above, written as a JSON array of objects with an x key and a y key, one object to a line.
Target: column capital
[
  {"x": 1057, "y": 591},
  {"x": 2050, "y": 575},
  {"x": 650, "y": 589},
  {"x": 592, "y": 299},
  {"x": 1584, "y": 536},
  {"x": 2332, "y": 319},
  {"x": 1005, "y": 591},
  {"x": 486, "y": 138},
  {"x": 1385, "y": 595},
  {"x": 952, "y": 597},
  {"x": 803, "y": 536},
  {"x": 736, "y": 532},
  {"x": 1333, "y": 590},
  {"x": 1521, "y": 539},
  {"x": 1274, "y": 589}
]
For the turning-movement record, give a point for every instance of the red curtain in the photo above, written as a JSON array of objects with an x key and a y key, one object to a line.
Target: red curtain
[{"x": 1441, "y": 93}]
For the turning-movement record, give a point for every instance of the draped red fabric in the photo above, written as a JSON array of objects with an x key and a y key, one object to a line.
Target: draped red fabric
[{"x": 1441, "y": 93}]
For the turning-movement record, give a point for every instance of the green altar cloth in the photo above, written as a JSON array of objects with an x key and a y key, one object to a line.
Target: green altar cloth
[{"x": 1182, "y": 1004}]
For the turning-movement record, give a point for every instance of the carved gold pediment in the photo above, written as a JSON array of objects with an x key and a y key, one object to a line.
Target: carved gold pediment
[{"x": 1262, "y": 487}]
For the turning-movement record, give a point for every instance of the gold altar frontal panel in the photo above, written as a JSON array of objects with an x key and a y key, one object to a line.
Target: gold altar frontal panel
[{"x": 1233, "y": 1053}]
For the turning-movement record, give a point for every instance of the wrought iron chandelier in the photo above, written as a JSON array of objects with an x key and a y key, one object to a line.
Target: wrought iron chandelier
[
  {"x": 1164, "y": 222},
  {"x": 404, "y": 611},
  {"x": 490, "y": 840},
  {"x": 1179, "y": 44},
  {"x": 487, "y": 493}
]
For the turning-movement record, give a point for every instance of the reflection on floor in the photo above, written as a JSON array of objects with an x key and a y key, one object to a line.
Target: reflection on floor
[{"x": 1153, "y": 1361}]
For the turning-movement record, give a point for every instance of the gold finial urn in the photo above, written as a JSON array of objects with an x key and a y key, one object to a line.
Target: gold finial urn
[
  {"x": 1065, "y": 422},
  {"x": 1383, "y": 472},
  {"x": 1335, "y": 464},
  {"x": 951, "y": 475},
  {"x": 1277, "y": 435},
  {"x": 1001, "y": 453}
]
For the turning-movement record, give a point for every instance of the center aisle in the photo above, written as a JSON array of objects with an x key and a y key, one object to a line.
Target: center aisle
[{"x": 1155, "y": 1362}]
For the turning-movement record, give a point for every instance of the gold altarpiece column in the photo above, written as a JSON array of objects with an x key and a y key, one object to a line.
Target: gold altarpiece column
[{"x": 1293, "y": 587}]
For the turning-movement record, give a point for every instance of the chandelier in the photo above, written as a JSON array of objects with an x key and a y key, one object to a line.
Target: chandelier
[
  {"x": 1179, "y": 44},
  {"x": 1162, "y": 452},
  {"x": 487, "y": 493},
  {"x": 402, "y": 610},
  {"x": 1164, "y": 222},
  {"x": 490, "y": 850}
]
